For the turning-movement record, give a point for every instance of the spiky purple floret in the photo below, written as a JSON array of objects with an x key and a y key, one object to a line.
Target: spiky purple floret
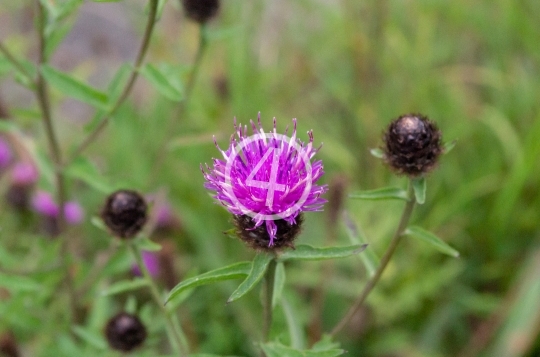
[{"x": 237, "y": 196}]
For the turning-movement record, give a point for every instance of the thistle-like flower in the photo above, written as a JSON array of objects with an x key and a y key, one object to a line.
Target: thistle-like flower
[
  {"x": 125, "y": 332},
  {"x": 413, "y": 145},
  {"x": 266, "y": 181}
]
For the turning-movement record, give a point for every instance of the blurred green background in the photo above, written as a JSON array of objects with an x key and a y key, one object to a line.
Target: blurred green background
[{"x": 344, "y": 69}]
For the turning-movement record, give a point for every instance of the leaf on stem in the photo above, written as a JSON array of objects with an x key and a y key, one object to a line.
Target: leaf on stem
[
  {"x": 147, "y": 245},
  {"x": 279, "y": 284},
  {"x": 369, "y": 258},
  {"x": 307, "y": 252},
  {"x": 432, "y": 239},
  {"x": 19, "y": 283},
  {"x": 275, "y": 349},
  {"x": 161, "y": 82},
  {"x": 83, "y": 169},
  {"x": 378, "y": 153},
  {"x": 125, "y": 285},
  {"x": 91, "y": 337},
  {"x": 258, "y": 268},
  {"x": 447, "y": 147},
  {"x": 419, "y": 187},
  {"x": 387, "y": 193},
  {"x": 234, "y": 271},
  {"x": 74, "y": 88}
]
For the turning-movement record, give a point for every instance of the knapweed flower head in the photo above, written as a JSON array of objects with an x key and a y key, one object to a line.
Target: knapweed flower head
[
  {"x": 24, "y": 174},
  {"x": 201, "y": 10},
  {"x": 125, "y": 332},
  {"x": 44, "y": 204},
  {"x": 266, "y": 180},
  {"x": 125, "y": 213},
  {"x": 412, "y": 145}
]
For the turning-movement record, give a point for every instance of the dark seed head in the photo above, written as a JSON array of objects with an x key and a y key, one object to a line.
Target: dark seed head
[
  {"x": 201, "y": 10},
  {"x": 125, "y": 332},
  {"x": 258, "y": 238},
  {"x": 412, "y": 145},
  {"x": 125, "y": 213}
]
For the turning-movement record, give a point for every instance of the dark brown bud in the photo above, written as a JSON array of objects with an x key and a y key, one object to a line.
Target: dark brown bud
[
  {"x": 413, "y": 145},
  {"x": 8, "y": 345},
  {"x": 201, "y": 10},
  {"x": 125, "y": 332},
  {"x": 18, "y": 197},
  {"x": 258, "y": 238},
  {"x": 125, "y": 213}
]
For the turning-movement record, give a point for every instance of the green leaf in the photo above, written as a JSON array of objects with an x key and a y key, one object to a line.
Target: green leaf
[
  {"x": 258, "y": 268},
  {"x": 307, "y": 252},
  {"x": 279, "y": 283},
  {"x": 91, "y": 337},
  {"x": 161, "y": 82},
  {"x": 148, "y": 245},
  {"x": 369, "y": 258},
  {"x": 83, "y": 169},
  {"x": 8, "y": 126},
  {"x": 117, "y": 83},
  {"x": 234, "y": 271},
  {"x": 432, "y": 239},
  {"x": 378, "y": 153},
  {"x": 447, "y": 147},
  {"x": 386, "y": 193},
  {"x": 74, "y": 88},
  {"x": 419, "y": 187},
  {"x": 274, "y": 349},
  {"x": 125, "y": 285},
  {"x": 18, "y": 283}
]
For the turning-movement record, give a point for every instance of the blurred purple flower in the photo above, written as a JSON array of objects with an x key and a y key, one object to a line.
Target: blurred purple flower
[
  {"x": 24, "y": 174},
  {"x": 268, "y": 177},
  {"x": 151, "y": 261},
  {"x": 44, "y": 204},
  {"x": 5, "y": 154}
]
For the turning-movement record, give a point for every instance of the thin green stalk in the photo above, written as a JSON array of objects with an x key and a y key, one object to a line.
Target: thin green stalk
[
  {"x": 129, "y": 85},
  {"x": 42, "y": 95},
  {"x": 268, "y": 297},
  {"x": 398, "y": 234},
  {"x": 174, "y": 331},
  {"x": 16, "y": 63}
]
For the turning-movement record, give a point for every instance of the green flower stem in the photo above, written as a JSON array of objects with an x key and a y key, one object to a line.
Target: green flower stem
[
  {"x": 174, "y": 331},
  {"x": 268, "y": 297},
  {"x": 18, "y": 65},
  {"x": 398, "y": 234},
  {"x": 43, "y": 100},
  {"x": 129, "y": 85}
]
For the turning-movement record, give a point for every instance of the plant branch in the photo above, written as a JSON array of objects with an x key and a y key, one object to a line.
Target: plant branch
[
  {"x": 15, "y": 62},
  {"x": 129, "y": 85},
  {"x": 405, "y": 216},
  {"x": 175, "y": 335},
  {"x": 42, "y": 95}
]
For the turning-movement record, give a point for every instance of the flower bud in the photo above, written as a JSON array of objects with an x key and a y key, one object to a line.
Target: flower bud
[
  {"x": 258, "y": 238},
  {"x": 125, "y": 213},
  {"x": 413, "y": 145},
  {"x": 125, "y": 332},
  {"x": 201, "y": 10},
  {"x": 23, "y": 177}
]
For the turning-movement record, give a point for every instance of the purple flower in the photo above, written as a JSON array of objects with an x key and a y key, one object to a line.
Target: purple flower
[
  {"x": 5, "y": 154},
  {"x": 267, "y": 179},
  {"x": 151, "y": 261},
  {"x": 44, "y": 204},
  {"x": 24, "y": 174}
]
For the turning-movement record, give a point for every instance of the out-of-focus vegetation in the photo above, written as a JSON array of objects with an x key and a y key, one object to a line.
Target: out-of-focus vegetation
[{"x": 344, "y": 69}]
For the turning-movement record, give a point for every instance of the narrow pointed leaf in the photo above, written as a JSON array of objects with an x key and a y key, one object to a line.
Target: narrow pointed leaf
[
  {"x": 307, "y": 252},
  {"x": 447, "y": 147},
  {"x": 369, "y": 258},
  {"x": 279, "y": 284},
  {"x": 234, "y": 271},
  {"x": 18, "y": 283},
  {"x": 74, "y": 88},
  {"x": 161, "y": 82},
  {"x": 91, "y": 337},
  {"x": 84, "y": 170},
  {"x": 124, "y": 285},
  {"x": 387, "y": 193},
  {"x": 419, "y": 187},
  {"x": 258, "y": 268},
  {"x": 432, "y": 239},
  {"x": 378, "y": 153},
  {"x": 148, "y": 245}
]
